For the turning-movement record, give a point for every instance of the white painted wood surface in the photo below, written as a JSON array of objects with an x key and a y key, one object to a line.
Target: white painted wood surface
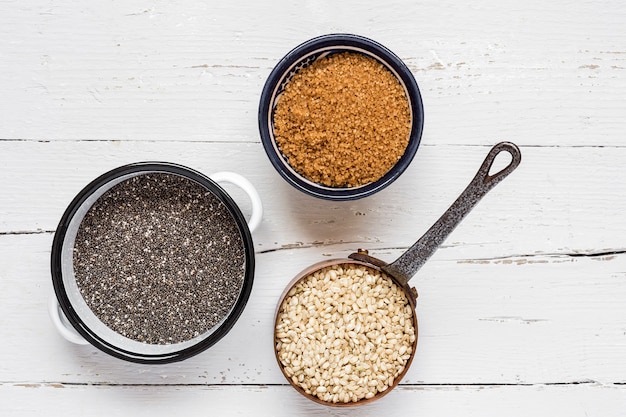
[{"x": 522, "y": 312}]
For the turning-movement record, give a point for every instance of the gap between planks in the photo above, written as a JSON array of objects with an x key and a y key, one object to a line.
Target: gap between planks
[
  {"x": 605, "y": 254},
  {"x": 60, "y": 384}
]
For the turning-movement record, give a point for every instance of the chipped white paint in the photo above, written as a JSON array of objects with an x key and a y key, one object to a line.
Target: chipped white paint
[{"x": 521, "y": 312}]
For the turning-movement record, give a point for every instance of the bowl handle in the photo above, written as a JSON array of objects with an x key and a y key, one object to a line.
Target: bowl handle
[
  {"x": 60, "y": 322},
  {"x": 412, "y": 260},
  {"x": 248, "y": 188}
]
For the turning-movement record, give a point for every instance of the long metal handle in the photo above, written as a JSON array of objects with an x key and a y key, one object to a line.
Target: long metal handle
[{"x": 412, "y": 260}]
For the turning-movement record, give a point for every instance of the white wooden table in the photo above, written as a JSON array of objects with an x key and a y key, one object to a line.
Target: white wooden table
[{"x": 523, "y": 310}]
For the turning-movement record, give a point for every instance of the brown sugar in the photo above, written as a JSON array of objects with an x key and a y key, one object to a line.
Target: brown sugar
[{"x": 343, "y": 121}]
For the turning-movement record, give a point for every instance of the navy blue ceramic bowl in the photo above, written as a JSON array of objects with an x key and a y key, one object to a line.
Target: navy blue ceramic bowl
[{"x": 304, "y": 55}]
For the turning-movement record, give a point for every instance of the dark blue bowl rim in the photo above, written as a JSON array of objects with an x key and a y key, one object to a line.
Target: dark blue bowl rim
[
  {"x": 91, "y": 336},
  {"x": 384, "y": 54}
]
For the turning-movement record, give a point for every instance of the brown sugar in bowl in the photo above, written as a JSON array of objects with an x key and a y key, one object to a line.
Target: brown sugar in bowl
[
  {"x": 340, "y": 117},
  {"x": 343, "y": 121}
]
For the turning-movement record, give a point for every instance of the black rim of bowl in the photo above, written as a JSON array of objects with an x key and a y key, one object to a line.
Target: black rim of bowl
[
  {"x": 92, "y": 337},
  {"x": 308, "y": 52}
]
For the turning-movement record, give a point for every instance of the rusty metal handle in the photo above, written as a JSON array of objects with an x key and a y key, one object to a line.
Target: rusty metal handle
[{"x": 412, "y": 260}]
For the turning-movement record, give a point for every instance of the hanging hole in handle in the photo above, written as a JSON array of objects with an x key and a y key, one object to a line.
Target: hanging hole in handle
[
  {"x": 501, "y": 161},
  {"x": 497, "y": 166}
]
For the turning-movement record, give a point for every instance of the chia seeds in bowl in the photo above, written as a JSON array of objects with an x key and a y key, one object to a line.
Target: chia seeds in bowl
[
  {"x": 152, "y": 263},
  {"x": 159, "y": 259}
]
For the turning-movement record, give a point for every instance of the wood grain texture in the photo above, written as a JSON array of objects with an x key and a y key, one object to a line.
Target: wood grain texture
[
  {"x": 521, "y": 312},
  {"x": 579, "y": 401},
  {"x": 558, "y": 201},
  {"x": 540, "y": 74},
  {"x": 549, "y": 319}
]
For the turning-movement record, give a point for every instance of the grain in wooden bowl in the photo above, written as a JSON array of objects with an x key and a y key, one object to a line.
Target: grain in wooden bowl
[{"x": 345, "y": 334}]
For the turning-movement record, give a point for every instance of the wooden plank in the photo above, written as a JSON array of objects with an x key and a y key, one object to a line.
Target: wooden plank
[
  {"x": 521, "y": 312},
  {"x": 569, "y": 204},
  {"x": 545, "y": 319},
  {"x": 141, "y": 71},
  {"x": 33, "y": 399}
]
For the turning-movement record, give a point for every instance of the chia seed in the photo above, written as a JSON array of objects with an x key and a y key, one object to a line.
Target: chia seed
[{"x": 159, "y": 259}]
